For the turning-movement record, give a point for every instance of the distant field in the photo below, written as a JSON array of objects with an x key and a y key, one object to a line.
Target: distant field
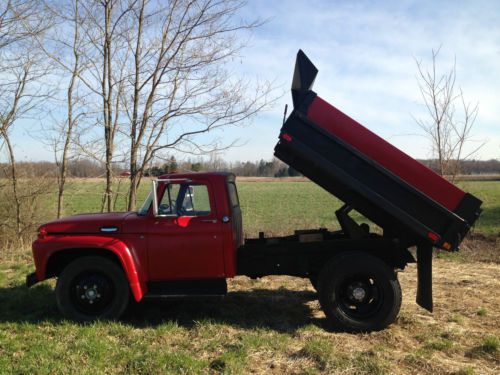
[{"x": 279, "y": 206}]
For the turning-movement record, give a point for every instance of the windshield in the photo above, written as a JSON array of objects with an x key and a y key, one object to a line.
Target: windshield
[{"x": 145, "y": 206}]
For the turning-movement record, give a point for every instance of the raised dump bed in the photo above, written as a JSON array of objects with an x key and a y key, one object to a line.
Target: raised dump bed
[{"x": 404, "y": 197}]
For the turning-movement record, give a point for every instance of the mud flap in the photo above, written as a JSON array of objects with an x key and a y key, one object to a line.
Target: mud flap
[
  {"x": 31, "y": 279},
  {"x": 424, "y": 271}
]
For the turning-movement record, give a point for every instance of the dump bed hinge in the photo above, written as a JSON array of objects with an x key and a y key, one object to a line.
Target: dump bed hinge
[{"x": 349, "y": 226}]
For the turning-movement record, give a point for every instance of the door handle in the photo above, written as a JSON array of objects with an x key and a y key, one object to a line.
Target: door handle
[{"x": 209, "y": 221}]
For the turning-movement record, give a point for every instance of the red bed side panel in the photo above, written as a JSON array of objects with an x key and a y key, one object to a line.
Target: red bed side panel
[{"x": 376, "y": 148}]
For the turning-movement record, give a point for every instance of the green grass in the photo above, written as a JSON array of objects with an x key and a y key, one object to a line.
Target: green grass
[
  {"x": 489, "y": 193},
  {"x": 490, "y": 344},
  {"x": 489, "y": 347},
  {"x": 320, "y": 351},
  {"x": 482, "y": 312},
  {"x": 464, "y": 371},
  {"x": 86, "y": 195},
  {"x": 281, "y": 207}
]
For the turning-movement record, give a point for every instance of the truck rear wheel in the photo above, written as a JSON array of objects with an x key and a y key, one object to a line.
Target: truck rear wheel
[
  {"x": 92, "y": 288},
  {"x": 359, "y": 293}
]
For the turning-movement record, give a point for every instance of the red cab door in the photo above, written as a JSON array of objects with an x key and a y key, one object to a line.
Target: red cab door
[{"x": 185, "y": 240}]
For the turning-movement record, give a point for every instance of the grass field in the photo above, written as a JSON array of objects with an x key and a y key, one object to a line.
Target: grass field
[{"x": 270, "y": 325}]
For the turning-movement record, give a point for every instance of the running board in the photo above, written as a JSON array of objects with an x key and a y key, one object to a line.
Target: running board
[
  {"x": 151, "y": 297},
  {"x": 186, "y": 289}
]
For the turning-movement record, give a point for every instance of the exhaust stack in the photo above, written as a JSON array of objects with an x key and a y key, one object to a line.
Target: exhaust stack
[{"x": 303, "y": 78}]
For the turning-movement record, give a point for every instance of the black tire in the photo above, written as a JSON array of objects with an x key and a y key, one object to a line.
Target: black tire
[
  {"x": 92, "y": 288},
  {"x": 359, "y": 293}
]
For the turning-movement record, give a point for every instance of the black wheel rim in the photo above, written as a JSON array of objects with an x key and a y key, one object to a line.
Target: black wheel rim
[
  {"x": 359, "y": 297},
  {"x": 92, "y": 293}
]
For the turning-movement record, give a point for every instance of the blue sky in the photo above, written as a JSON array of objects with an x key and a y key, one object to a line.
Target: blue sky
[{"x": 365, "y": 52}]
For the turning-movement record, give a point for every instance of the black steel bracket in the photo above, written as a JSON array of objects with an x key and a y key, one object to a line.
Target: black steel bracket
[
  {"x": 424, "y": 272},
  {"x": 348, "y": 225},
  {"x": 31, "y": 279}
]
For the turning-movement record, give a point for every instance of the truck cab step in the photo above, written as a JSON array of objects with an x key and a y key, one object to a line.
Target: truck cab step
[{"x": 187, "y": 289}]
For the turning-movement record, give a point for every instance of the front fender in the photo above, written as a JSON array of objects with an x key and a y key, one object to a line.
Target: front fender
[{"x": 44, "y": 249}]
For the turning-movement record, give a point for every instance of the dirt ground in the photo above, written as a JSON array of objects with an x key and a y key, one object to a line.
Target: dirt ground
[{"x": 451, "y": 340}]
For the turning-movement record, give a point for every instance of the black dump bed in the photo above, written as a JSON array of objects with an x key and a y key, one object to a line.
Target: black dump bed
[{"x": 404, "y": 198}]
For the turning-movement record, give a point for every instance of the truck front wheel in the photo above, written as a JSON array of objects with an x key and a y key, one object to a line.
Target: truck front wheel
[
  {"x": 92, "y": 288},
  {"x": 359, "y": 293}
]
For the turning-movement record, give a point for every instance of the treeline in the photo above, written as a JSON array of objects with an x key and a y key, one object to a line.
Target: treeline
[
  {"x": 85, "y": 168},
  {"x": 77, "y": 168},
  {"x": 469, "y": 167},
  {"x": 261, "y": 168}
]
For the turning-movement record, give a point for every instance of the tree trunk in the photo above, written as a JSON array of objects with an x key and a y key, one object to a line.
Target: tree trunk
[
  {"x": 134, "y": 149},
  {"x": 13, "y": 178},
  {"x": 69, "y": 130},
  {"x": 132, "y": 195},
  {"x": 109, "y": 178},
  {"x": 107, "y": 88}
]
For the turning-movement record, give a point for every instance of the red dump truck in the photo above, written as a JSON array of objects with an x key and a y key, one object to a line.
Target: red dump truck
[{"x": 187, "y": 238}]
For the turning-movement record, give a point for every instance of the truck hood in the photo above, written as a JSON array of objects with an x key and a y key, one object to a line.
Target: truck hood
[{"x": 88, "y": 223}]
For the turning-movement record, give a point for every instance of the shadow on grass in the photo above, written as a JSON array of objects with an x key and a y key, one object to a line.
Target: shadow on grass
[
  {"x": 281, "y": 310},
  {"x": 32, "y": 305}
]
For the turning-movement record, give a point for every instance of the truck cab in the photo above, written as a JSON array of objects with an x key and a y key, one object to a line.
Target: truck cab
[
  {"x": 194, "y": 226},
  {"x": 188, "y": 228}
]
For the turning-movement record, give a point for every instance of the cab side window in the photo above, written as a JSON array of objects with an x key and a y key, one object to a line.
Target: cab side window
[
  {"x": 185, "y": 200},
  {"x": 167, "y": 205}
]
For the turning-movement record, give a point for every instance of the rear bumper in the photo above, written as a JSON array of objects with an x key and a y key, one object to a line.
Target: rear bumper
[{"x": 31, "y": 279}]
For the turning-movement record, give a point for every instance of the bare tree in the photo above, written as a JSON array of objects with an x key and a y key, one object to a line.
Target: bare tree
[
  {"x": 158, "y": 74},
  {"x": 72, "y": 120},
  {"x": 19, "y": 20},
  {"x": 104, "y": 53},
  {"x": 450, "y": 117},
  {"x": 65, "y": 50},
  {"x": 179, "y": 86},
  {"x": 21, "y": 71}
]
